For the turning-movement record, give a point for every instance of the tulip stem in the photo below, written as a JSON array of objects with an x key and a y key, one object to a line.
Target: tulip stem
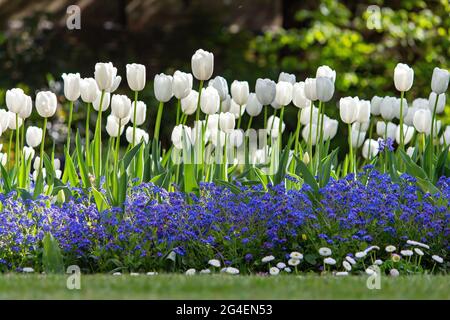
[
  {"x": 134, "y": 117},
  {"x": 178, "y": 111},
  {"x": 265, "y": 115},
  {"x": 17, "y": 155},
  {"x": 69, "y": 126},
  {"x": 431, "y": 141},
  {"x": 41, "y": 160},
  {"x": 88, "y": 148},
  {"x": 200, "y": 87},
  {"x": 116, "y": 160},
  {"x": 402, "y": 137},
  {"x": 158, "y": 120},
  {"x": 98, "y": 140},
  {"x": 280, "y": 127},
  {"x": 310, "y": 132},
  {"x": 249, "y": 123},
  {"x": 297, "y": 132},
  {"x": 350, "y": 144},
  {"x": 9, "y": 148},
  {"x": 240, "y": 117}
]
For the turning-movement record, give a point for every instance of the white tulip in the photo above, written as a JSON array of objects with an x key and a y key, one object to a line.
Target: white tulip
[
  {"x": 221, "y": 86},
  {"x": 12, "y": 121},
  {"x": 3, "y": 159},
  {"x": 15, "y": 100},
  {"x": 420, "y": 103},
  {"x": 163, "y": 87},
  {"x": 213, "y": 122},
  {"x": 330, "y": 127},
  {"x": 120, "y": 106},
  {"x": 235, "y": 138},
  {"x": 439, "y": 80},
  {"x": 403, "y": 77},
  {"x": 387, "y": 108},
  {"x": 236, "y": 109},
  {"x": 408, "y": 132},
  {"x": 105, "y": 102},
  {"x": 373, "y": 146},
  {"x": 422, "y": 121},
  {"x": 360, "y": 126},
  {"x": 217, "y": 138},
  {"x": 283, "y": 93},
  {"x": 202, "y": 64},
  {"x": 141, "y": 111},
  {"x": 348, "y": 109},
  {"x": 363, "y": 111},
  {"x": 305, "y": 133},
  {"x": 324, "y": 89},
  {"x": 4, "y": 120},
  {"x": 46, "y": 103},
  {"x": 240, "y": 92},
  {"x": 106, "y": 76},
  {"x": 298, "y": 96},
  {"x": 36, "y": 174},
  {"x": 358, "y": 138},
  {"x": 265, "y": 90},
  {"x": 375, "y": 105},
  {"x": 274, "y": 124},
  {"x": 71, "y": 86},
  {"x": 25, "y": 112},
  {"x": 182, "y": 84},
  {"x": 408, "y": 119},
  {"x": 56, "y": 164},
  {"x": 226, "y": 104},
  {"x": 327, "y": 72},
  {"x": 34, "y": 136},
  {"x": 89, "y": 90},
  {"x": 140, "y": 135},
  {"x": 306, "y": 114},
  {"x": 181, "y": 135},
  {"x": 440, "y": 103},
  {"x": 389, "y": 132},
  {"x": 286, "y": 77},
  {"x": 210, "y": 101},
  {"x": 410, "y": 151},
  {"x": 136, "y": 76},
  {"x": 28, "y": 153},
  {"x": 226, "y": 121},
  {"x": 275, "y": 105},
  {"x": 253, "y": 106},
  {"x": 189, "y": 104},
  {"x": 310, "y": 89},
  {"x": 397, "y": 108},
  {"x": 112, "y": 126},
  {"x": 445, "y": 138},
  {"x": 116, "y": 84}
]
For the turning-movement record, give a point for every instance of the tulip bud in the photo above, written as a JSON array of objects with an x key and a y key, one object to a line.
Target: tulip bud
[
  {"x": 71, "y": 86},
  {"x": 115, "y": 85},
  {"x": 46, "y": 103},
  {"x": 358, "y": 138},
  {"x": 202, "y": 64},
  {"x": 375, "y": 105},
  {"x": 236, "y": 109},
  {"x": 221, "y": 85},
  {"x": 28, "y": 153},
  {"x": 283, "y": 93},
  {"x": 410, "y": 151},
  {"x": 422, "y": 121},
  {"x": 348, "y": 109},
  {"x": 286, "y": 77},
  {"x": 209, "y": 101},
  {"x": 213, "y": 122},
  {"x": 305, "y": 133},
  {"x": 298, "y": 96},
  {"x": 15, "y": 100},
  {"x": 265, "y": 91},
  {"x": 273, "y": 125},
  {"x": 373, "y": 146},
  {"x": 56, "y": 164},
  {"x": 306, "y": 114},
  {"x": 226, "y": 121},
  {"x": 403, "y": 77},
  {"x": 105, "y": 74},
  {"x": 181, "y": 134},
  {"x": 12, "y": 121},
  {"x": 4, "y": 120},
  {"x": 189, "y": 104},
  {"x": 306, "y": 158},
  {"x": 217, "y": 138},
  {"x": 324, "y": 89},
  {"x": 136, "y": 75},
  {"x": 163, "y": 86},
  {"x": 235, "y": 138},
  {"x": 36, "y": 174},
  {"x": 226, "y": 104},
  {"x": 253, "y": 106},
  {"x": 330, "y": 127},
  {"x": 3, "y": 159},
  {"x": 445, "y": 138},
  {"x": 408, "y": 132},
  {"x": 240, "y": 92},
  {"x": 141, "y": 111},
  {"x": 363, "y": 111},
  {"x": 120, "y": 106},
  {"x": 387, "y": 108},
  {"x": 439, "y": 80},
  {"x": 140, "y": 135},
  {"x": 89, "y": 90},
  {"x": 25, "y": 112},
  {"x": 105, "y": 102},
  {"x": 327, "y": 72},
  {"x": 182, "y": 84},
  {"x": 310, "y": 89},
  {"x": 34, "y": 136},
  {"x": 386, "y": 133},
  {"x": 112, "y": 126},
  {"x": 440, "y": 103}
]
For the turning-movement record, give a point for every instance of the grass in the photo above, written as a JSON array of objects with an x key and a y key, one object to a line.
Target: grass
[{"x": 20, "y": 286}]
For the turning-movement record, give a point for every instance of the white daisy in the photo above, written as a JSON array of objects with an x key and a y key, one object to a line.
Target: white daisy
[
  {"x": 231, "y": 270},
  {"x": 350, "y": 259},
  {"x": 296, "y": 255},
  {"x": 205, "y": 271},
  {"x": 267, "y": 259},
  {"x": 396, "y": 257},
  {"x": 281, "y": 265},
  {"x": 214, "y": 263},
  {"x": 417, "y": 243},
  {"x": 437, "y": 258},
  {"x": 325, "y": 252},
  {"x": 287, "y": 269},
  {"x": 406, "y": 253},
  {"x": 293, "y": 262},
  {"x": 134, "y": 274},
  {"x": 378, "y": 262},
  {"x": 394, "y": 273},
  {"x": 28, "y": 270},
  {"x": 116, "y": 274},
  {"x": 190, "y": 272},
  {"x": 418, "y": 251},
  {"x": 152, "y": 273},
  {"x": 329, "y": 261},
  {"x": 341, "y": 273},
  {"x": 274, "y": 271},
  {"x": 390, "y": 249},
  {"x": 347, "y": 266},
  {"x": 360, "y": 254},
  {"x": 372, "y": 248}
]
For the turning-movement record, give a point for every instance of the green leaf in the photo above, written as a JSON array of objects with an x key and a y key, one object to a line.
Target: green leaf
[
  {"x": 81, "y": 163},
  {"x": 129, "y": 156},
  {"x": 100, "y": 201},
  {"x": 52, "y": 259},
  {"x": 229, "y": 185},
  {"x": 307, "y": 176},
  {"x": 70, "y": 173}
]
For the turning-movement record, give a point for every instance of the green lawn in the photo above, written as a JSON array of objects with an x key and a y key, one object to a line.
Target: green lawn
[{"x": 15, "y": 286}]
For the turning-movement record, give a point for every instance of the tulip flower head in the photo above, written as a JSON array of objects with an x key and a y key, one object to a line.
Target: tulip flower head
[
  {"x": 408, "y": 133},
  {"x": 15, "y": 100},
  {"x": 12, "y": 121},
  {"x": 182, "y": 84},
  {"x": 324, "y": 89},
  {"x": 326, "y": 72},
  {"x": 286, "y": 77},
  {"x": 89, "y": 90},
  {"x": 33, "y": 136},
  {"x": 136, "y": 76},
  {"x": 202, "y": 64},
  {"x": 403, "y": 77},
  {"x": 189, "y": 104},
  {"x": 46, "y": 104},
  {"x": 71, "y": 86},
  {"x": 27, "y": 108},
  {"x": 240, "y": 92},
  {"x": 221, "y": 85},
  {"x": 163, "y": 87},
  {"x": 141, "y": 111},
  {"x": 226, "y": 121},
  {"x": 253, "y": 106},
  {"x": 298, "y": 96},
  {"x": 375, "y": 105},
  {"x": 105, "y": 103},
  {"x": 283, "y": 93},
  {"x": 141, "y": 135},
  {"x": 120, "y": 106},
  {"x": 348, "y": 109},
  {"x": 422, "y": 121},
  {"x": 311, "y": 89},
  {"x": 265, "y": 90},
  {"x": 112, "y": 126},
  {"x": 209, "y": 101},
  {"x": 371, "y": 146},
  {"x": 440, "y": 103},
  {"x": 106, "y": 76},
  {"x": 439, "y": 80}
]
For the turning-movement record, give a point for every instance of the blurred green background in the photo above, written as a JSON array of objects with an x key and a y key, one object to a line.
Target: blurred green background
[{"x": 361, "y": 40}]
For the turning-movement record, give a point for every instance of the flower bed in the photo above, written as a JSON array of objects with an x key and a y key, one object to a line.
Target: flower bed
[{"x": 162, "y": 231}]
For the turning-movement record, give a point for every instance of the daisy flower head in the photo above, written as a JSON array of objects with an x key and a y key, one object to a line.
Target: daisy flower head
[
  {"x": 287, "y": 269},
  {"x": 329, "y": 261},
  {"x": 390, "y": 249},
  {"x": 378, "y": 262},
  {"x": 267, "y": 259},
  {"x": 341, "y": 274},
  {"x": 293, "y": 262},
  {"x": 325, "y": 252},
  {"x": 205, "y": 271},
  {"x": 190, "y": 272},
  {"x": 406, "y": 253},
  {"x": 347, "y": 266},
  {"x": 418, "y": 251},
  {"x": 296, "y": 255},
  {"x": 394, "y": 273},
  {"x": 395, "y": 257},
  {"x": 274, "y": 271},
  {"x": 350, "y": 259},
  {"x": 231, "y": 270},
  {"x": 281, "y": 265},
  {"x": 437, "y": 258},
  {"x": 214, "y": 263},
  {"x": 360, "y": 254},
  {"x": 418, "y": 244}
]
